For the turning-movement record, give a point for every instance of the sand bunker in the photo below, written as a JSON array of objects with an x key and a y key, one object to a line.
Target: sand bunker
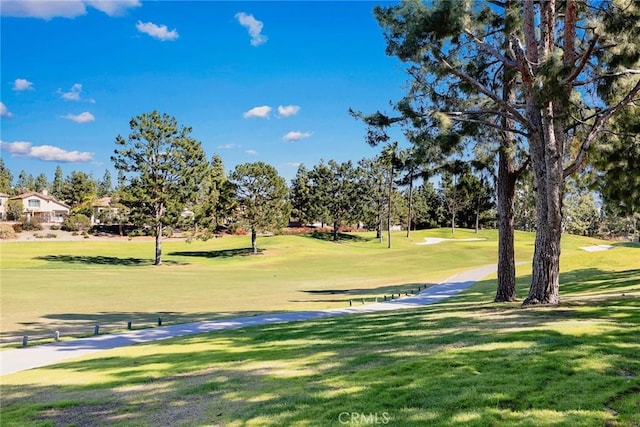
[
  {"x": 436, "y": 240},
  {"x": 596, "y": 248}
]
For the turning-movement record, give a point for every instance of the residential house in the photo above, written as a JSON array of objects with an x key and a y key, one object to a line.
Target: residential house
[
  {"x": 43, "y": 207},
  {"x": 104, "y": 211}
]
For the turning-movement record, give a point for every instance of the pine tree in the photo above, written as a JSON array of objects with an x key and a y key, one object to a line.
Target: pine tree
[
  {"x": 262, "y": 195},
  {"x": 5, "y": 179},
  {"x": 163, "y": 165},
  {"x": 57, "y": 186},
  {"x": 520, "y": 69}
]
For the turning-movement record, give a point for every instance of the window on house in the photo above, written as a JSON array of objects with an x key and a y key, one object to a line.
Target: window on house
[{"x": 34, "y": 203}]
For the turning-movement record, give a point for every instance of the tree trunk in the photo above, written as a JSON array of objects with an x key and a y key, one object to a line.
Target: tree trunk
[
  {"x": 453, "y": 221},
  {"x": 506, "y": 290},
  {"x": 545, "y": 282},
  {"x": 507, "y": 177},
  {"x": 380, "y": 205},
  {"x": 390, "y": 205},
  {"x": 546, "y": 141},
  {"x": 409, "y": 219},
  {"x": 158, "y": 259},
  {"x": 478, "y": 215},
  {"x": 335, "y": 231},
  {"x": 254, "y": 241}
]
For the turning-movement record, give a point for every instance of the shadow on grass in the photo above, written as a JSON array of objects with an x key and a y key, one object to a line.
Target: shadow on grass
[
  {"x": 574, "y": 285},
  {"x": 404, "y": 289},
  {"x": 223, "y": 253},
  {"x": 420, "y": 367},
  {"x": 103, "y": 260},
  {"x": 628, "y": 244},
  {"x": 328, "y": 236},
  {"x": 82, "y": 324},
  {"x": 593, "y": 280}
]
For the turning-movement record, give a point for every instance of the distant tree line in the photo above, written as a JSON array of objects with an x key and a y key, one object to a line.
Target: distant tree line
[{"x": 331, "y": 194}]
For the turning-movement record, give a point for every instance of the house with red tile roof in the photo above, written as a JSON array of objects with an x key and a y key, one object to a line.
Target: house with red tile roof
[{"x": 43, "y": 207}]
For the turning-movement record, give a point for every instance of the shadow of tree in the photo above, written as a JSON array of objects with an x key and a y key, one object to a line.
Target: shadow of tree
[
  {"x": 628, "y": 244},
  {"x": 328, "y": 236},
  {"x": 454, "y": 363},
  {"x": 223, "y": 253},
  {"x": 103, "y": 260},
  {"x": 431, "y": 366},
  {"x": 82, "y": 324}
]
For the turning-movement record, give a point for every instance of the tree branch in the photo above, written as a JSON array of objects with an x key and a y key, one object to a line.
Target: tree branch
[
  {"x": 523, "y": 167},
  {"x": 464, "y": 76},
  {"x": 487, "y": 123},
  {"x": 492, "y": 51},
  {"x": 583, "y": 61},
  {"x": 597, "y": 126}
]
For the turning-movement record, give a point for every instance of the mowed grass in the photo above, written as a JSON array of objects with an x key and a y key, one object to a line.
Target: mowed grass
[
  {"x": 71, "y": 286},
  {"x": 465, "y": 361}
]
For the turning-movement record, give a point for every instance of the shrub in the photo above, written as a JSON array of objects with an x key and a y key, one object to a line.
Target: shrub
[
  {"x": 236, "y": 228},
  {"x": 14, "y": 209},
  {"x": 54, "y": 227},
  {"x": 32, "y": 224},
  {"x": 17, "y": 228},
  {"x": 7, "y": 232},
  {"x": 76, "y": 222}
]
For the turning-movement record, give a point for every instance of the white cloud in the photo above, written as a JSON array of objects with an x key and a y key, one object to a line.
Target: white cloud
[
  {"x": 4, "y": 111},
  {"x": 73, "y": 94},
  {"x": 113, "y": 7},
  {"x": 85, "y": 117},
  {"x": 251, "y": 152},
  {"x": 227, "y": 146},
  {"x": 160, "y": 32},
  {"x": 17, "y": 148},
  {"x": 288, "y": 111},
  {"x": 294, "y": 164},
  {"x": 253, "y": 26},
  {"x": 260, "y": 112},
  {"x": 47, "y": 153},
  {"x": 296, "y": 136},
  {"x": 43, "y": 9},
  {"x": 22, "y": 84},
  {"x": 48, "y": 9},
  {"x": 50, "y": 153}
]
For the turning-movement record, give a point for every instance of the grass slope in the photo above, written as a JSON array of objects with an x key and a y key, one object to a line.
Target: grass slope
[{"x": 465, "y": 361}]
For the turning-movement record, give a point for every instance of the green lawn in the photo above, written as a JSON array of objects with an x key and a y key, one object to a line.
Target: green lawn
[
  {"x": 70, "y": 286},
  {"x": 462, "y": 362}
]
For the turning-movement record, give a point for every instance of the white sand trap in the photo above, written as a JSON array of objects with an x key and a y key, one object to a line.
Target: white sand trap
[
  {"x": 436, "y": 240},
  {"x": 596, "y": 248},
  {"x": 431, "y": 241}
]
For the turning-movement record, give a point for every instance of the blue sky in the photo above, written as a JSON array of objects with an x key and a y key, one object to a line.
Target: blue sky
[{"x": 257, "y": 81}]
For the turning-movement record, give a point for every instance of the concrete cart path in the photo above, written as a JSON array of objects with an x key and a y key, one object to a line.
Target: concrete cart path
[{"x": 21, "y": 359}]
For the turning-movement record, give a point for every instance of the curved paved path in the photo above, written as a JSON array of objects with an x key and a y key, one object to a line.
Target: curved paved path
[{"x": 21, "y": 359}]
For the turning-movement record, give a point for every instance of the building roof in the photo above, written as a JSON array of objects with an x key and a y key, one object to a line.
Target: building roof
[
  {"x": 39, "y": 195},
  {"x": 104, "y": 202}
]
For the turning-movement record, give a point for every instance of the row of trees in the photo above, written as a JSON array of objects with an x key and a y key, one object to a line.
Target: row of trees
[
  {"x": 163, "y": 170},
  {"x": 416, "y": 204}
]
